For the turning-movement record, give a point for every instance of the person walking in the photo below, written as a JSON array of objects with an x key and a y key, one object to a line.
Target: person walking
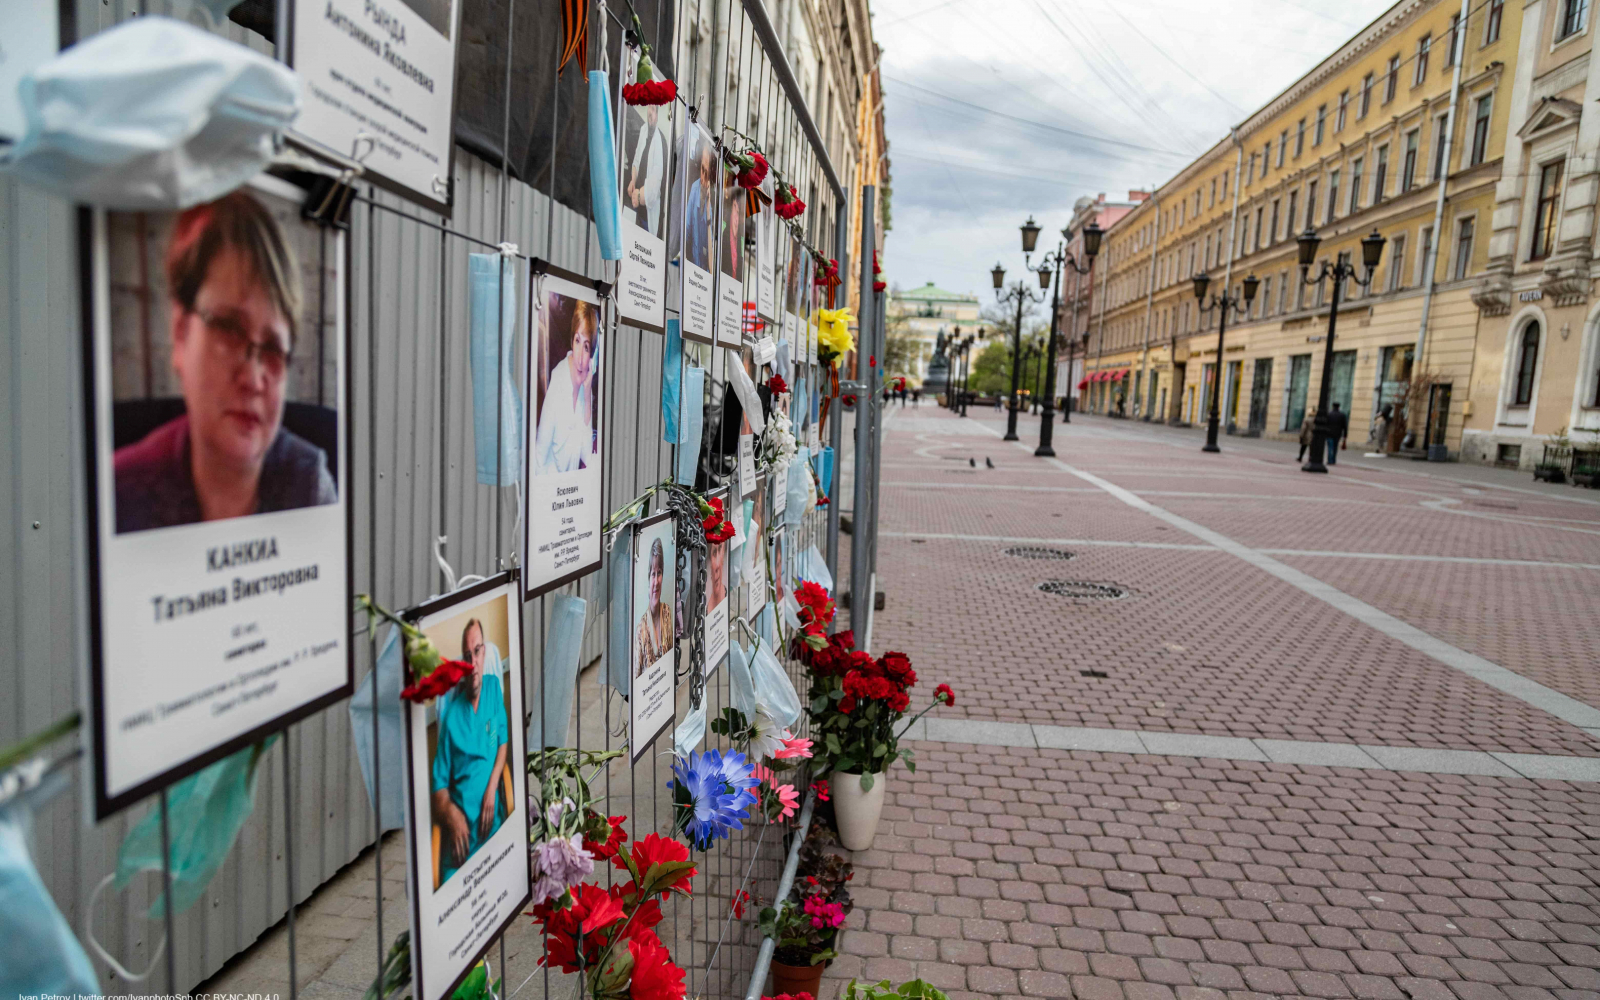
[
  {"x": 1378, "y": 435},
  {"x": 1305, "y": 436},
  {"x": 916, "y": 396},
  {"x": 1338, "y": 430}
]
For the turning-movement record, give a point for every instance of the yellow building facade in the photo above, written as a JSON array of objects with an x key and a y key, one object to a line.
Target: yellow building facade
[{"x": 1360, "y": 143}]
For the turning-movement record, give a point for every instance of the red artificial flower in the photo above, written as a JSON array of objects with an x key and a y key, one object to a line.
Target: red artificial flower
[
  {"x": 788, "y": 205},
  {"x": 740, "y": 898},
  {"x": 654, "y": 975},
  {"x": 822, "y": 500},
  {"x": 591, "y": 912},
  {"x": 614, "y": 839},
  {"x": 650, "y": 92},
  {"x": 879, "y": 286},
  {"x": 656, "y": 849},
  {"x": 945, "y": 694},
  {"x": 849, "y": 399},
  {"x": 843, "y": 641},
  {"x": 777, "y": 385},
  {"x": 820, "y": 786},
  {"x": 847, "y": 704},
  {"x": 441, "y": 679},
  {"x": 753, "y": 170}
]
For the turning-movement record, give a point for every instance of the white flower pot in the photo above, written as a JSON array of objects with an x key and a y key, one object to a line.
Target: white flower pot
[{"x": 856, "y": 811}]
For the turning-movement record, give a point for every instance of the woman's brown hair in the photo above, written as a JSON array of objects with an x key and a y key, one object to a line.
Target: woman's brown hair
[{"x": 237, "y": 222}]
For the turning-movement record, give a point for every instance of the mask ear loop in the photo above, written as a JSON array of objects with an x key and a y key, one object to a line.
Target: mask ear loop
[{"x": 94, "y": 943}]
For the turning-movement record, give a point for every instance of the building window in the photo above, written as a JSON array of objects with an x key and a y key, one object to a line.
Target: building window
[
  {"x": 1463, "y": 248},
  {"x": 1208, "y": 253},
  {"x": 1283, "y": 291},
  {"x": 1333, "y": 196},
  {"x": 1424, "y": 46},
  {"x": 1300, "y": 138},
  {"x": 1366, "y": 102},
  {"x": 1380, "y": 176},
  {"x": 1283, "y": 147},
  {"x": 1491, "y": 21},
  {"x": 1272, "y": 231},
  {"x": 1480, "y": 129},
  {"x": 1212, "y": 199},
  {"x": 1441, "y": 143},
  {"x": 1266, "y": 156},
  {"x": 1355, "y": 183},
  {"x": 1322, "y": 121},
  {"x": 1450, "y": 51},
  {"x": 1224, "y": 183},
  {"x": 1266, "y": 296},
  {"x": 1527, "y": 361},
  {"x": 1574, "y": 14},
  {"x": 1258, "y": 228},
  {"x": 1311, "y": 203},
  {"x": 1425, "y": 258},
  {"x": 1290, "y": 219},
  {"x": 1397, "y": 263},
  {"x": 1408, "y": 168},
  {"x": 1544, "y": 214},
  {"x": 1250, "y": 171},
  {"x": 1391, "y": 79}
]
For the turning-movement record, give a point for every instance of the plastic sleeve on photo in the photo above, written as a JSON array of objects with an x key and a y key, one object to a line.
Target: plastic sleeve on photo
[
  {"x": 691, "y": 424},
  {"x": 740, "y": 686},
  {"x": 794, "y": 507},
  {"x": 563, "y": 645}
]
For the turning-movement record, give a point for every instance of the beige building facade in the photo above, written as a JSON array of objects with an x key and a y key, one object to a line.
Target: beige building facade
[
  {"x": 928, "y": 312},
  {"x": 1362, "y": 143}
]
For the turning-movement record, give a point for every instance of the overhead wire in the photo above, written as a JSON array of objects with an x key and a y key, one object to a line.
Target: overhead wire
[{"x": 1169, "y": 58}]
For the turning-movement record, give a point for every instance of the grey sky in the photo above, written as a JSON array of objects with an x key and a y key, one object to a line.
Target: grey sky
[{"x": 1001, "y": 108}]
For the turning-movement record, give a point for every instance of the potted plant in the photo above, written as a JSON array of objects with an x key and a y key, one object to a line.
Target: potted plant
[
  {"x": 805, "y": 928},
  {"x": 857, "y": 703}
]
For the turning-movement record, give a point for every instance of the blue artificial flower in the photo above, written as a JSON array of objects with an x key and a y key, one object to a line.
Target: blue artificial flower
[{"x": 713, "y": 793}]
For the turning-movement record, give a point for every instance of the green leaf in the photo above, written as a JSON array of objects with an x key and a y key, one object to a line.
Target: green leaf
[
  {"x": 663, "y": 876},
  {"x": 867, "y": 781},
  {"x": 833, "y": 743}
]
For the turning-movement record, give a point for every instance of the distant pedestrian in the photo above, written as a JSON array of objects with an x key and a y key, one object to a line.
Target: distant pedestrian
[
  {"x": 916, "y": 397},
  {"x": 1338, "y": 430},
  {"x": 1306, "y": 427},
  {"x": 1378, "y": 435},
  {"x": 997, "y": 403},
  {"x": 1122, "y": 404}
]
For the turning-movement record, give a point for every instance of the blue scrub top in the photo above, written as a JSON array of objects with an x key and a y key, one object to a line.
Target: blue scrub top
[{"x": 463, "y": 761}]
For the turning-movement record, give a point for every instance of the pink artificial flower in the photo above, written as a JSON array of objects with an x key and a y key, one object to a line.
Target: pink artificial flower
[
  {"x": 824, "y": 914},
  {"x": 762, "y": 773},
  {"x": 794, "y": 747},
  {"x": 788, "y": 798}
]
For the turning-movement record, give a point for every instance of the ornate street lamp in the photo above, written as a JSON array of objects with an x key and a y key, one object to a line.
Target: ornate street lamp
[
  {"x": 1340, "y": 270},
  {"x": 1052, "y": 266},
  {"x": 1228, "y": 303}
]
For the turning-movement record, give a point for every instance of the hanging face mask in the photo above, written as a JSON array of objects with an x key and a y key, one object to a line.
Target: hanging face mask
[
  {"x": 603, "y": 166},
  {"x": 496, "y": 396},
  {"x": 38, "y": 952},
  {"x": 204, "y": 814},
  {"x": 794, "y": 507},
  {"x": 745, "y": 389},
  {"x": 671, "y": 383},
  {"x": 690, "y": 731},
  {"x": 774, "y": 689},
  {"x": 824, "y": 466},
  {"x": 619, "y": 590},
  {"x": 690, "y": 424},
  {"x": 740, "y": 685},
  {"x": 389, "y": 761},
  {"x": 152, "y": 114},
  {"x": 563, "y": 646},
  {"x": 815, "y": 568}
]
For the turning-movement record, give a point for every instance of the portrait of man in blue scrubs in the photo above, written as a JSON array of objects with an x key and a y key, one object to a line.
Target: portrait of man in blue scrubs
[{"x": 467, "y": 797}]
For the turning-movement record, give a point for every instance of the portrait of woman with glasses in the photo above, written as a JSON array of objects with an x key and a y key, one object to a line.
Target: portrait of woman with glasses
[{"x": 234, "y": 307}]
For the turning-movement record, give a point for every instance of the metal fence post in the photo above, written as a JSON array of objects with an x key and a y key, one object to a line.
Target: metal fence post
[{"x": 861, "y": 584}]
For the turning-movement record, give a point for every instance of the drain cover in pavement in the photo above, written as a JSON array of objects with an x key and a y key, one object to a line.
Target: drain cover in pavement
[
  {"x": 1038, "y": 552},
  {"x": 1083, "y": 590}
]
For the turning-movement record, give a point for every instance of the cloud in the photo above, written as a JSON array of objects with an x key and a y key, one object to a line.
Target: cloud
[{"x": 996, "y": 111}]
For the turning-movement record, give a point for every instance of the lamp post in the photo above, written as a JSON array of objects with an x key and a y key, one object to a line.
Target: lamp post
[
  {"x": 966, "y": 370},
  {"x": 1341, "y": 269},
  {"x": 1019, "y": 294},
  {"x": 1049, "y": 267},
  {"x": 1226, "y": 304},
  {"x": 953, "y": 345}
]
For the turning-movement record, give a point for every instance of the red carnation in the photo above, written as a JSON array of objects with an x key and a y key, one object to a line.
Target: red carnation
[
  {"x": 614, "y": 839},
  {"x": 945, "y": 694},
  {"x": 441, "y": 679},
  {"x": 754, "y": 172},
  {"x": 777, "y": 385},
  {"x": 656, "y": 849},
  {"x": 879, "y": 286},
  {"x": 847, "y": 704},
  {"x": 650, "y": 92}
]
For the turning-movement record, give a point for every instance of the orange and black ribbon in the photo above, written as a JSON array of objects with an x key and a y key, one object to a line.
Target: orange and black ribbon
[
  {"x": 753, "y": 199},
  {"x": 574, "y": 35}
]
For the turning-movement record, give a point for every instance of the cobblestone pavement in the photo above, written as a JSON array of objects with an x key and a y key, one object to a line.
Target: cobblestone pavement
[{"x": 1390, "y": 604}]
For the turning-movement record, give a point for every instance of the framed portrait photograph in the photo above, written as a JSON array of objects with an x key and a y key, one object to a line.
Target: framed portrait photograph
[
  {"x": 793, "y": 305},
  {"x": 769, "y": 227},
  {"x": 714, "y": 627},
  {"x": 755, "y": 550},
  {"x": 562, "y": 482},
  {"x": 380, "y": 84},
  {"x": 646, "y": 165},
  {"x": 467, "y": 787},
  {"x": 697, "y": 236},
  {"x": 652, "y": 699},
  {"x": 730, "y": 262},
  {"x": 218, "y": 453}
]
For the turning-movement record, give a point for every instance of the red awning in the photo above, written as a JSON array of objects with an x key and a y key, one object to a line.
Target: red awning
[
  {"x": 1101, "y": 376},
  {"x": 1083, "y": 384},
  {"x": 1116, "y": 376}
]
